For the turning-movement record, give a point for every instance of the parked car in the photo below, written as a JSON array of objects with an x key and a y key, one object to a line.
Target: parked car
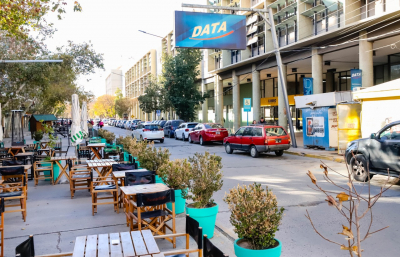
[
  {"x": 105, "y": 121},
  {"x": 162, "y": 123},
  {"x": 127, "y": 124},
  {"x": 170, "y": 126},
  {"x": 148, "y": 131},
  {"x": 208, "y": 132},
  {"x": 379, "y": 152},
  {"x": 182, "y": 132},
  {"x": 111, "y": 121},
  {"x": 258, "y": 139}
]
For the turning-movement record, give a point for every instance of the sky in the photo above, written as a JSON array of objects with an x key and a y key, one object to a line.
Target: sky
[{"x": 112, "y": 27}]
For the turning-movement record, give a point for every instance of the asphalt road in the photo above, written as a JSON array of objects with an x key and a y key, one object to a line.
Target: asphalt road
[{"x": 286, "y": 176}]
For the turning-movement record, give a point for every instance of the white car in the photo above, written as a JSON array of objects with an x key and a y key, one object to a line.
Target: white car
[
  {"x": 105, "y": 121},
  {"x": 182, "y": 132},
  {"x": 127, "y": 124},
  {"x": 148, "y": 131}
]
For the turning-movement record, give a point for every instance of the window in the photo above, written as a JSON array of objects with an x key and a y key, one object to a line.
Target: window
[
  {"x": 240, "y": 131},
  {"x": 391, "y": 133},
  {"x": 257, "y": 132},
  {"x": 248, "y": 132},
  {"x": 152, "y": 127},
  {"x": 191, "y": 125},
  {"x": 274, "y": 132}
]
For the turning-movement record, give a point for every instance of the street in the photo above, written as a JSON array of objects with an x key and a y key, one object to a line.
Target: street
[{"x": 286, "y": 176}]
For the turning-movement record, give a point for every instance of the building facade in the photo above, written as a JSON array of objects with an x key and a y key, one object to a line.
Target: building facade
[{"x": 114, "y": 81}]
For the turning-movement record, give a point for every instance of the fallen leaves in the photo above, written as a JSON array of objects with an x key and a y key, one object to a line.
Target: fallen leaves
[{"x": 312, "y": 177}]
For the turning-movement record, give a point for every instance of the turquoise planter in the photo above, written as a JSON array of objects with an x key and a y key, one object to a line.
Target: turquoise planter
[
  {"x": 179, "y": 202},
  {"x": 56, "y": 171},
  {"x": 159, "y": 180},
  {"x": 272, "y": 252},
  {"x": 103, "y": 140},
  {"x": 37, "y": 143},
  {"x": 206, "y": 218}
]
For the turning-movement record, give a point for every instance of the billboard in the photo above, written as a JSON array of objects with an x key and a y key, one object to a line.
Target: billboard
[
  {"x": 356, "y": 80},
  {"x": 308, "y": 86},
  {"x": 210, "y": 30}
]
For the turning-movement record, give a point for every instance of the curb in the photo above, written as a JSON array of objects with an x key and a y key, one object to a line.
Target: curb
[{"x": 317, "y": 156}]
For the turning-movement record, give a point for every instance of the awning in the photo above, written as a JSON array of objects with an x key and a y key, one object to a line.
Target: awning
[
  {"x": 44, "y": 117},
  {"x": 384, "y": 91}
]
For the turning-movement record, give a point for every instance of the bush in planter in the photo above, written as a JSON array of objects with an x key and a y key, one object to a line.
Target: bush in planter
[
  {"x": 255, "y": 215},
  {"x": 176, "y": 175},
  {"x": 150, "y": 157},
  {"x": 107, "y": 135},
  {"x": 38, "y": 135}
]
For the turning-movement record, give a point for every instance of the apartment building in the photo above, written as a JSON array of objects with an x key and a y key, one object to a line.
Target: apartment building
[
  {"x": 319, "y": 39},
  {"x": 114, "y": 81},
  {"x": 136, "y": 80}
]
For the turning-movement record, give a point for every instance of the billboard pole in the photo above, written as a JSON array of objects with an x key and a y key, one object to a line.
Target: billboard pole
[{"x": 271, "y": 23}]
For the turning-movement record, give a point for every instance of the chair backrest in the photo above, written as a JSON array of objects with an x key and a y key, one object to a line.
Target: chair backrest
[
  {"x": 1, "y": 206},
  {"x": 137, "y": 178},
  {"x": 12, "y": 163},
  {"x": 211, "y": 250},
  {"x": 154, "y": 199},
  {"x": 12, "y": 170},
  {"x": 26, "y": 248},
  {"x": 122, "y": 166},
  {"x": 194, "y": 230}
]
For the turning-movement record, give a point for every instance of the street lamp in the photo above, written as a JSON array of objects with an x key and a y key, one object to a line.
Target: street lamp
[{"x": 149, "y": 33}]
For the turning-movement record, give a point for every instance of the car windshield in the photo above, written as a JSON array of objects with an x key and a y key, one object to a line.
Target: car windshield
[
  {"x": 191, "y": 125},
  {"x": 152, "y": 127},
  {"x": 176, "y": 123},
  {"x": 208, "y": 126},
  {"x": 273, "y": 132}
]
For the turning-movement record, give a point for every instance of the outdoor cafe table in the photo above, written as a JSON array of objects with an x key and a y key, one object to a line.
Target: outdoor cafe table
[
  {"x": 46, "y": 151},
  {"x": 104, "y": 164},
  {"x": 24, "y": 156},
  {"x": 43, "y": 144},
  {"x": 13, "y": 150},
  {"x": 96, "y": 148},
  {"x": 58, "y": 160},
  {"x": 135, "y": 243}
]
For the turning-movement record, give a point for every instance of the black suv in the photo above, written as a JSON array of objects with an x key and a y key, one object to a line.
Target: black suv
[{"x": 379, "y": 152}]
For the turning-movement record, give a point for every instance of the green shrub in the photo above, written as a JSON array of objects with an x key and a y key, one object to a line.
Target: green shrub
[
  {"x": 38, "y": 135},
  {"x": 107, "y": 135},
  {"x": 152, "y": 158},
  {"x": 254, "y": 214},
  {"x": 176, "y": 174}
]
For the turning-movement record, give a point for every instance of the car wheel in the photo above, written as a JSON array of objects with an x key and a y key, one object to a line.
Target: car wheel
[
  {"x": 176, "y": 138},
  {"x": 359, "y": 168},
  {"x": 253, "y": 152},
  {"x": 190, "y": 140},
  {"x": 161, "y": 140},
  {"x": 201, "y": 141},
  {"x": 279, "y": 153},
  {"x": 183, "y": 137},
  {"x": 228, "y": 148}
]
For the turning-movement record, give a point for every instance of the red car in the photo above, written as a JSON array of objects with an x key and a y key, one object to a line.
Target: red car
[
  {"x": 208, "y": 132},
  {"x": 257, "y": 139}
]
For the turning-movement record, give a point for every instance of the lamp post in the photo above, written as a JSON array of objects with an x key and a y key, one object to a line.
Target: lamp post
[{"x": 149, "y": 34}]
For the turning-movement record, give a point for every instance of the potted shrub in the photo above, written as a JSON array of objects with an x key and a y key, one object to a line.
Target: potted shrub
[
  {"x": 37, "y": 136},
  {"x": 256, "y": 217},
  {"x": 176, "y": 175},
  {"x": 107, "y": 136},
  {"x": 206, "y": 179},
  {"x": 151, "y": 158}
]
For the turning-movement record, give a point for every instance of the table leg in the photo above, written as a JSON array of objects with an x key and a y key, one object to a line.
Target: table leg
[
  {"x": 63, "y": 171},
  {"x": 96, "y": 153}
]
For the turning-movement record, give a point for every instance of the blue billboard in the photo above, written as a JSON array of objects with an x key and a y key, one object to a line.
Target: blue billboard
[
  {"x": 356, "y": 79},
  {"x": 210, "y": 30},
  {"x": 308, "y": 86}
]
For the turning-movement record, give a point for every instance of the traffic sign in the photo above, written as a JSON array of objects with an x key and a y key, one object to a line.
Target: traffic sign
[
  {"x": 247, "y": 104},
  {"x": 158, "y": 113},
  {"x": 132, "y": 116}
]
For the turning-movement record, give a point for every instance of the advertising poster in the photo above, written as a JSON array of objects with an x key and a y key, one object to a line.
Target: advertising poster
[
  {"x": 308, "y": 86},
  {"x": 315, "y": 126},
  {"x": 355, "y": 78},
  {"x": 210, "y": 30}
]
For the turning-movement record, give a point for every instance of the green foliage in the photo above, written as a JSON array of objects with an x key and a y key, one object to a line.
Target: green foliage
[
  {"x": 179, "y": 76},
  {"x": 152, "y": 158},
  {"x": 107, "y": 135},
  {"x": 206, "y": 179},
  {"x": 38, "y": 135},
  {"x": 154, "y": 97},
  {"x": 176, "y": 174},
  {"x": 254, "y": 214},
  {"x": 49, "y": 131},
  {"x": 122, "y": 104}
]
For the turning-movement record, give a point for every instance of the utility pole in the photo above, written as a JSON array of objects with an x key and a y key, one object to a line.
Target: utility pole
[{"x": 270, "y": 22}]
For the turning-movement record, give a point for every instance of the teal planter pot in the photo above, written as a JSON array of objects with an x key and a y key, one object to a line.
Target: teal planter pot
[
  {"x": 103, "y": 140},
  {"x": 160, "y": 181},
  {"x": 272, "y": 252},
  {"x": 206, "y": 218},
  {"x": 37, "y": 143},
  {"x": 179, "y": 202},
  {"x": 56, "y": 171}
]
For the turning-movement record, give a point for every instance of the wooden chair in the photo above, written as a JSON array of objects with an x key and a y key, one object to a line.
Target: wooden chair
[
  {"x": 80, "y": 179},
  {"x": 104, "y": 186},
  {"x": 150, "y": 212},
  {"x": 124, "y": 166},
  {"x": 38, "y": 169},
  {"x": 193, "y": 230},
  {"x": 14, "y": 176},
  {"x": 83, "y": 152},
  {"x": 58, "y": 149},
  {"x": 2, "y": 226},
  {"x": 27, "y": 249},
  {"x": 14, "y": 193}
]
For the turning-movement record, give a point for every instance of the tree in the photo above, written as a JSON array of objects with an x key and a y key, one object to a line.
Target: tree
[
  {"x": 179, "y": 76},
  {"x": 154, "y": 97},
  {"x": 122, "y": 104},
  {"x": 104, "y": 106}
]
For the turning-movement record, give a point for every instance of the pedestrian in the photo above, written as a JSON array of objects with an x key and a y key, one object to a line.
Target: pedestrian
[
  {"x": 101, "y": 124},
  {"x": 262, "y": 121},
  {"x": 254, "y": 122},
  {"x": 162, "y": 118}
]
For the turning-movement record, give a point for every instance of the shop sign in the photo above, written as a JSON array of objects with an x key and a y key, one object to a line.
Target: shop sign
[
  {"x": 210, "y": 30},
  {"x": 308, "y": 86},
  {"x": 356, "y": 79}
]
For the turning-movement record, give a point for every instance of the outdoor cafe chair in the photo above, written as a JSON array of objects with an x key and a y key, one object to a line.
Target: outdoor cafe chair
[
  {"x": 2, "y": 226},
  {"x": 14, "y": 176},
  {"x": 104, "y": 186},
  {"x": 27, "y": 249},
  {"x": 39, "y": 168},
  {"x": 138, "y": 178},
  {"x": 210, "y": 250},
  {"x": 194, "y": 231},
  {"x": 80, "y": 178},
  {"x": 15, "y": 191},
  {"x": 151, "y": 212},
  {"x": 124, "y": 166}
]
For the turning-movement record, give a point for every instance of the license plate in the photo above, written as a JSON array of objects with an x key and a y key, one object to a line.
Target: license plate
[
  {"x": 218, "y": 133},
  {"x": 277, "y": 140}
]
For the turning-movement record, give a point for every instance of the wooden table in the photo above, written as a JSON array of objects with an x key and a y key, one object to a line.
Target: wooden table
[
  {"x": 46, "y": 151},
  {"x": 130, "y": 192},
  {"x": 96, "y": 148},
  {"x": 13, "y": 150},
  {"x": 135, "y": 243},
  {"x": 58, "y": 160},
  {"x": 24, "y": 156},
  {"x": 43, "y": 144},
  {"x": 120, "y": 175},
  {"x": 104, "y": 164}
]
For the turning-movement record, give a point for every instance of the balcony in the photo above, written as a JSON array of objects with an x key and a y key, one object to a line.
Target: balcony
[
  {"x": 313, "y": 10},
  {"x": 287, "y": 21},
  {"x": 288, "y": 9}
]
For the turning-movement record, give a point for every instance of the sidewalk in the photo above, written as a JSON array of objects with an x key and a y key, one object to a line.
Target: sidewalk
[{"x": 317, "y": 154}]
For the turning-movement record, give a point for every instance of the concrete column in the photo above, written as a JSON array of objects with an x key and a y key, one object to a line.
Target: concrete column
[
  {"x": 282, "y": 112},
  {"x": 317, "y": 64},
  {"x": 366, "y": 60},
  {"x": 256, "y": 96},
  {"x": 218, "y": 100},
  {"x": 204, "y": 106},
  {"x": 236, "y": 101}
]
